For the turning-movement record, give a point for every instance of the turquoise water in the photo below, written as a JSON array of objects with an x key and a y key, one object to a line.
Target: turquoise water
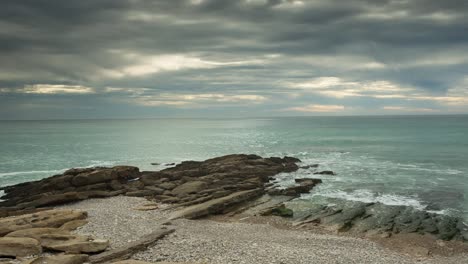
[{"x": 417, "y": 161}]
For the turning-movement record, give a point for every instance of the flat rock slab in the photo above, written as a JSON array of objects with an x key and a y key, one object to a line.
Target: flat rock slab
[
  {"x": 58, "y": 239},
  {"x": 19, "y": 247},
  {"x": 50, "y": 218},
  {"x": 132, "y": 247},
  {"x": 59, "y": 259},
  {"x": 216, "y": 205}
]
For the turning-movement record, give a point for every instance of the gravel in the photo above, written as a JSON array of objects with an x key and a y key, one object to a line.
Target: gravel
[
  {"x": 116, "y": 219},
  {"x": 206, "y": 241}
]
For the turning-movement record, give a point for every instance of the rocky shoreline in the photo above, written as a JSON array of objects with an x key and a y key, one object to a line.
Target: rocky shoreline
[{"x": 231, "y": 186}]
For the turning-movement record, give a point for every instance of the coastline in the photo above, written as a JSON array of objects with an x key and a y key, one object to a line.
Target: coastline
[{"x": 233, "y": 199}]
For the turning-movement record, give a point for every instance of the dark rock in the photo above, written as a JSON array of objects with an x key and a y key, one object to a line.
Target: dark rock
[
  {"x": 305, "y": 185},
  {"x": 309, "y": 166},
  {"x": 291, "y": 159},
  {"x": 167, "y": 185},
  {"x": 325, "y": 172},
  {"x": 154, "y": 163},
  {"x": 280, "y": 210}
]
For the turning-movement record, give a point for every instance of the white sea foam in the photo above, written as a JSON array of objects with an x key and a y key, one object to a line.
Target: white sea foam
[
  {"x": 46, "y": 173},
  {"x": 367, "y": 196},
  {"x": 14, "y": 173}
]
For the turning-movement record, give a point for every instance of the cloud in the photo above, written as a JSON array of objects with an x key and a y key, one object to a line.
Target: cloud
[
  {"x": 50, "y": 89},
  {"x": 408, "y": 109},
  {"x": 131, "y": 54},
  {"x": 316, "y": 108},
  {"x": 147, "y": 64},
  {"x": 197, "y": 100}
]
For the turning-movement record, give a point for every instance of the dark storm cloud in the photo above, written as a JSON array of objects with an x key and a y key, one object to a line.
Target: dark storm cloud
[{"x": 197, "y": 54}]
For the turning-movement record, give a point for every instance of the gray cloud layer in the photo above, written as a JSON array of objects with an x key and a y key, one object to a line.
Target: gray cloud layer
[{"x": 116, "y": 58}]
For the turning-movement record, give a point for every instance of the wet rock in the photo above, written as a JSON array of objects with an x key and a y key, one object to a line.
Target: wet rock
[
  {"x": 309, "y": 166},
  {"x": 377, "y": 218},
  {"x": 326, "y": 172},
  {"x": 280, "y": 210},
  {"x": 19, "y": 247},
  {"x": 305, "y": 185}
]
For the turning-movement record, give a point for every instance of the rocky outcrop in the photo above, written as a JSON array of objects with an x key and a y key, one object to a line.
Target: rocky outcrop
[
  {"x": 31, "y": 234},
  {"x": 72, "y": 185},
  {"x": 186, "y": 182}
]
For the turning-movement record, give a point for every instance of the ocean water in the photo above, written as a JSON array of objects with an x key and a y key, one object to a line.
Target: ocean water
[{"x": 421, "y": 161}]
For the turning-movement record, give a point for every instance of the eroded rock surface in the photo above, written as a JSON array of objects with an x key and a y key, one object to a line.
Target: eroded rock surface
[
  {"x": 19, "y": 247},
  {"x": 359, "y": 217},
  {"x": 50, "y": 218}
]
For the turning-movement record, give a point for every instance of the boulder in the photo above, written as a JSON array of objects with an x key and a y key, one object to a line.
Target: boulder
[
  {"x": 50, "y": 218},
  {"x": 19, "y": 247},
  {"x": 59, "y": 259}
]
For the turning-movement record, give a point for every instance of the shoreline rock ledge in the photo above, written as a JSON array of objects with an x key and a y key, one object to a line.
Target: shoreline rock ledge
[{"x": 189, "y": 182}]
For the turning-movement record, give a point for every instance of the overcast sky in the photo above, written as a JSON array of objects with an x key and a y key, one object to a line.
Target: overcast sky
[{"x": 232, "y": 58}]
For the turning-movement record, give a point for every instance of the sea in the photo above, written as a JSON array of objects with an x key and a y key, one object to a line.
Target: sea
[{"x": 418, "y": 161}]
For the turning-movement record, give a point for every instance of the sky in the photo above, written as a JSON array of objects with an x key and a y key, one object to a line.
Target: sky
[{"x": 232, "y": 58}]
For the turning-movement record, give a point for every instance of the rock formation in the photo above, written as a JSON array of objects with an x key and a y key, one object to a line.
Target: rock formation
[{"x": 232, "y": 184}]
